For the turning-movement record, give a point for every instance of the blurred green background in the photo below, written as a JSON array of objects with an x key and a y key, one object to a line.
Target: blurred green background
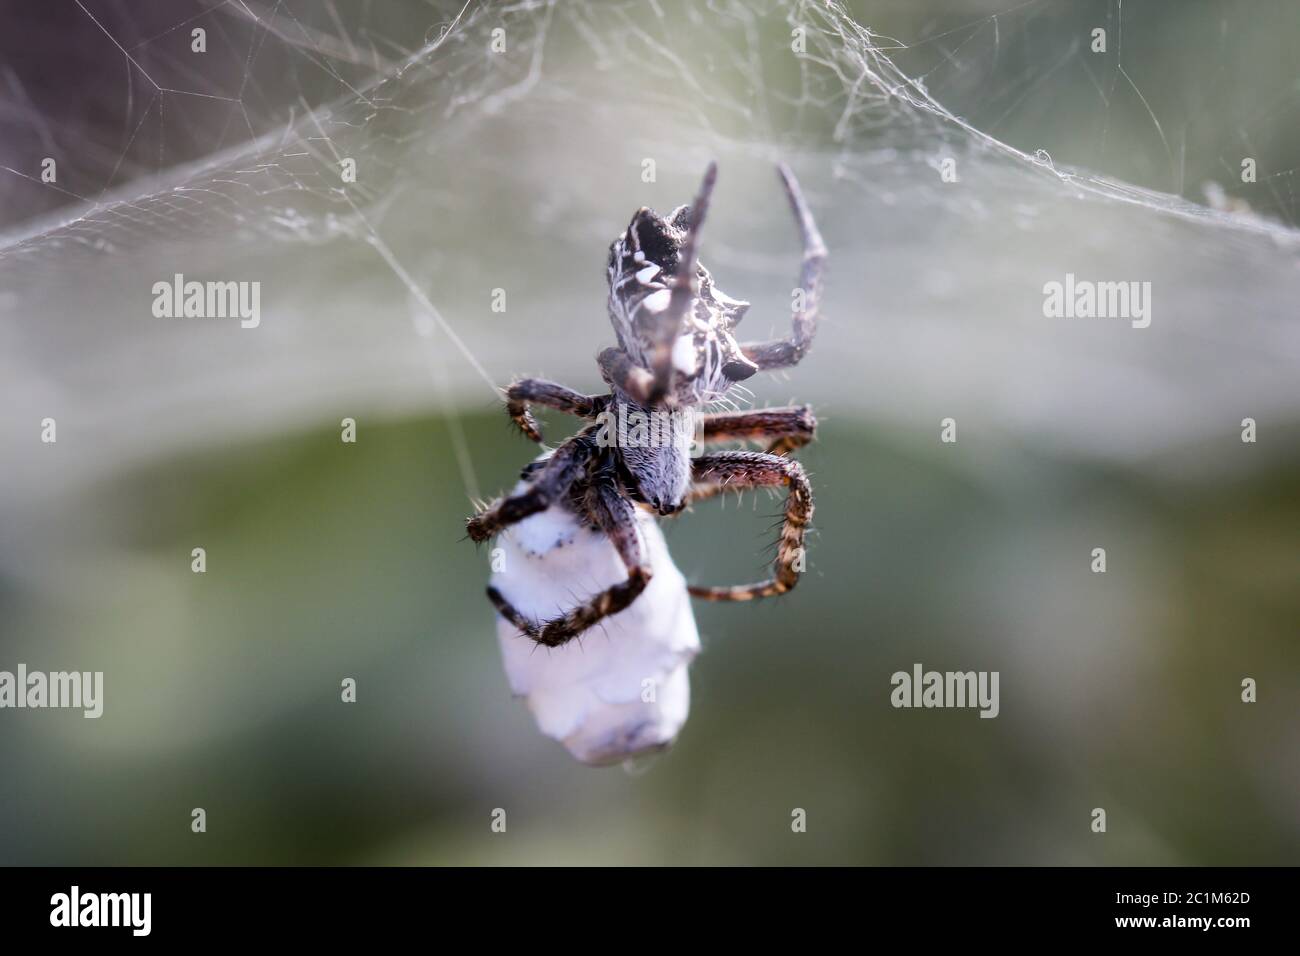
[{"x": 329, "y": 560}]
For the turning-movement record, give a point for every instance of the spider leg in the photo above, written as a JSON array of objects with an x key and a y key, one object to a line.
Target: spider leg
[
  {"x": 682, "y": 293},
  {"x": 616, "y": 517},
  {"x": 549, "y": 484},
  {"x": 782, "y": 353},
  {"x": 618, "y": 369},
  {"x": 785, "y": 428},
  {"x": 730, "y": 470},
  {"x": 537, "y": 391}
]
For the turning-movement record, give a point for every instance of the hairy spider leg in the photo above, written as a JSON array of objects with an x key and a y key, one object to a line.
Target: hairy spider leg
[
  {"x": 734, "y": 470},
  {"x": 786, "y": 428},
  {"x": 615, "y": 515},
  {"x": 538, "y": 391},
  {"x": 782, "y": 353},
  {"x": 618, "y": 369},
  {"x": 683, "y": 291},
  {"x": 548, "y": 485}
]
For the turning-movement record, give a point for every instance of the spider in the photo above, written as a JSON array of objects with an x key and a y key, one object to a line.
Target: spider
[{"x": 676, "y": 352}]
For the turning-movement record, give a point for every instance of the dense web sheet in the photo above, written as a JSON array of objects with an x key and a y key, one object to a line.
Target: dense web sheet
[{"x": 481, "y": 168}]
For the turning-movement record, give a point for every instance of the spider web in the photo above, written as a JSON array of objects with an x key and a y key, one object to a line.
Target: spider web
[{"x": 483, "y": 169}]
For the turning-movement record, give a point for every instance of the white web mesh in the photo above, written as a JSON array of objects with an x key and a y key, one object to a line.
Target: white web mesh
[{"x": 481, "y": 170}]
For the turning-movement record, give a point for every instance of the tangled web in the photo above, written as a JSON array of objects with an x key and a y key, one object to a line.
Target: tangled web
[{"x": 495, "y": 158}]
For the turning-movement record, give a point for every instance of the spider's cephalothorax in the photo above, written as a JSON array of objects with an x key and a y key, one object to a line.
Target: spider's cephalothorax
[{"x": 676, "y": 351}]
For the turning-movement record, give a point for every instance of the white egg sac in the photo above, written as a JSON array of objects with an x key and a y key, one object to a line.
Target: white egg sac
[{"x": 621, "y": 688}]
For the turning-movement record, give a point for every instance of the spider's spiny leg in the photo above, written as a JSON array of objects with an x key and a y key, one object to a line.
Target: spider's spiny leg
[
  {"x": 565, "y": 466},
  {"x": 782, "y": 353},
  {"x": 618, "y": 369},
  {"x": 751, "y": 469},
  {"x": 536, "y": 391},
  {"x": 508, "y": 611},
  {"x": 615, "y": 515},
  {"x": 784, "y": 428},
  {"x": 561, "y": 630},
  {"x": 682, "y": 292}
]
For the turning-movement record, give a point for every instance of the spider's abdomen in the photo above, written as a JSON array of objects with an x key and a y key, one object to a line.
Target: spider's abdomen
[{"x": 642, "y": 264}]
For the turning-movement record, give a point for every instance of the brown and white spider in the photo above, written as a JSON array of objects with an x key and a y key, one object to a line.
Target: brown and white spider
[{"x": 676, "y": 352}]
